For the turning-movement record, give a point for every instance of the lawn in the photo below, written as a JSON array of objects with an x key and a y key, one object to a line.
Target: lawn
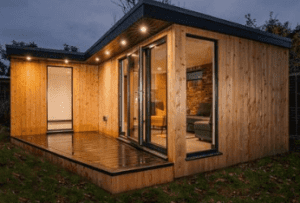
[{"x": 27, "y": 178}]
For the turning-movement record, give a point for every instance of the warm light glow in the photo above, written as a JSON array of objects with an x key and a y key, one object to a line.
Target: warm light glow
[
  {"x": 159, "y": 68},
  {"x": 66, "y": 61},
  {"x": 28, "y": 58},
  {"x": 143, "y": 29},
  {"x": 97, "y": 59},
  {"x": 107, "y": 52},
  {"x": 123, "y": 42}
]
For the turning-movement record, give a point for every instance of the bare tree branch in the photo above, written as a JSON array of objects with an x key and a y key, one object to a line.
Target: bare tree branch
[{"x": 126, "y": 5}]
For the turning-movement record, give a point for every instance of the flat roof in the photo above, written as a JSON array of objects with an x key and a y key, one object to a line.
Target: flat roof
[{"x": 149, "y": 9}]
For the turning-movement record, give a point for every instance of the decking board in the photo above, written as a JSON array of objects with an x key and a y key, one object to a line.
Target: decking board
[{"x": 106, "y": 161}]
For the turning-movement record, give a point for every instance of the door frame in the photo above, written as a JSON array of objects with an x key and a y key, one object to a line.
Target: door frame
[
  {"x": 120, "y": 79},
  {"x": 72, "y": 120},
  {"x": 147, "y": 103},
  {"x": 141, "y": 92}
]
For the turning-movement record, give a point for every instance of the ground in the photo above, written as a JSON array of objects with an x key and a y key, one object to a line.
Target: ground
[{"x": 27, "y": 178}]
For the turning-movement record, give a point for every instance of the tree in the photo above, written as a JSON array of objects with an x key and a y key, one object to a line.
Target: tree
[
  {"x": 23, "y": 44},
  {"x": 126, "y": 5},
  {"x": 66, "y": 47},
  {"x": 273, "y": 25},
  {"x": 70, "y": 48},
  {"x": 3, "y": 67}
]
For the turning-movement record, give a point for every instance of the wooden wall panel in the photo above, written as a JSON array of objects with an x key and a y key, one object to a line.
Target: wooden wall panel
[
  {"x": 177, "y": 99},
  {"x": 29, "y": 96},
  {"x": 253, "y": 102},
  {"x": 108, "y": 94},
  {"x": 27, "y": 88},
  {"x": 85, "y": 97}
]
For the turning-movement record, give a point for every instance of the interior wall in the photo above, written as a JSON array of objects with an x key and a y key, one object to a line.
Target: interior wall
[
  {"x": 199, "y": 91},
  {"x": 252, "y": 101},
  {"x": 29, "y": 96}
]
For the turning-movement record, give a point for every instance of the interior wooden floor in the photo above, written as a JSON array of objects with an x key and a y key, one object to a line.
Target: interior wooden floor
[
  {"x": 193, "y": 144},
  {"x": 98, "y": 150}
]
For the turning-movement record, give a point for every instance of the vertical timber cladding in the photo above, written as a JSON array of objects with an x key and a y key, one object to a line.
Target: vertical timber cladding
[
  {"x": 29, "y": 96},
  {"x": 252, "y": 102},
  {"x": 108, "y": 98}
]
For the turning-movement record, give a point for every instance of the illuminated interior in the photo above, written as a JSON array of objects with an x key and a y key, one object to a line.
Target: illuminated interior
[
  {"x": 59, "y": 98},
  {"x": 158, "y": 69},
  {"x": 199, "y": 103}
]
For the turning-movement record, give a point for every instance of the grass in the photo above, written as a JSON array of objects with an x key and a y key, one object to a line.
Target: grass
[{"x": 27, "y": 178}]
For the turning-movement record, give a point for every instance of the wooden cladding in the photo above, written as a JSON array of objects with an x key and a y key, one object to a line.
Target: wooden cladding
[
  {"x": 252, "y": 101},
  {"x": 29, "y": 97}
]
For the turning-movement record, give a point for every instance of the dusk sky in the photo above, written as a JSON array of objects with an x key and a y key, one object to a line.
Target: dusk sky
[{"x": 80, "y": 23}]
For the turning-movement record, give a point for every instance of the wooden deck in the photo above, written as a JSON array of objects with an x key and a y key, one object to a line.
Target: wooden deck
[{"x": 106, "y": 161}]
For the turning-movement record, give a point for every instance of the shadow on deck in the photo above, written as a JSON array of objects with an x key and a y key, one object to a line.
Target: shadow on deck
[{"x": 111, "y": 164}]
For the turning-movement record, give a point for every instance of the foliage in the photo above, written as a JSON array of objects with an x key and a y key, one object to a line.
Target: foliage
[
  {"x": 5, "y": 111},
  {"x": 4, "y": 69},
  {"x": 24, "y": 44},
  {"x": 273, "y": 25},
  {"x": 70, "y": 48},
  {"x": 3, "y": 57},
  {"x": 126, "y": 5}
]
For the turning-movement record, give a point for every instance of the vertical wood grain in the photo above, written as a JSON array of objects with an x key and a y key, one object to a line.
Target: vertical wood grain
[{"x": 178, "y": 97}]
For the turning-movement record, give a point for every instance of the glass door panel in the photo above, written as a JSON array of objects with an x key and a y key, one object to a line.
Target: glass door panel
[
  {"x": 133, "y": 70},
  {"x": 129, "y": 86},
  {"x": 123, "y": 97},
  {"x": 143, "y": 97},
  {"x": 156, "y": 97},
  {"x": 59, "y": 94}
]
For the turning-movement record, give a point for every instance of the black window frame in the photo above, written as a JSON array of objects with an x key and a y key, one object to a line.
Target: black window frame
[{"x": 215, "y": 151}]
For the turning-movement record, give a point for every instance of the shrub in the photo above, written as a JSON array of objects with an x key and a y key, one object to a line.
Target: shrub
[{"x": 5, "y": 112}]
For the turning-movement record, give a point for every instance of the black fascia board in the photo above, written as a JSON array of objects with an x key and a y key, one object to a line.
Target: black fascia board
[
  {"x": 160, "y": 11},
  {"x": 44, "y": 53}
]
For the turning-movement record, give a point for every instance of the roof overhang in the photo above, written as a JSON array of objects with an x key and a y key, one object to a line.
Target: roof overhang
[
  {"x": 156, "y": 16},
  {"x": 12, "y": 50}
]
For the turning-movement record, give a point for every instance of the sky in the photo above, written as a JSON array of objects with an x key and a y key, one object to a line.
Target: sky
[{"x": 52, "y": 23}]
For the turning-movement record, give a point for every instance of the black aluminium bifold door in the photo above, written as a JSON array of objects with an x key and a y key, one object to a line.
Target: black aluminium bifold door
[
  {"x": 143, "y": 96},
  {"x": 155, "y": 97},
  {"x": 129, "y": 96}
]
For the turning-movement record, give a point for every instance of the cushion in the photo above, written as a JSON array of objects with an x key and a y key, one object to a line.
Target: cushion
[
  {"x": 204, "y": 109},
  {"x": 193, "y": 119},
  {"x": 202, "y": 125},
  {"x": 158, "y": 121}
]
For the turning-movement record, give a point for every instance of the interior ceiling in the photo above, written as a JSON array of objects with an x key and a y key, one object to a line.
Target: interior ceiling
[
  {"x": 198, "y": 52},
  {"x": 132, "y": 36}
]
